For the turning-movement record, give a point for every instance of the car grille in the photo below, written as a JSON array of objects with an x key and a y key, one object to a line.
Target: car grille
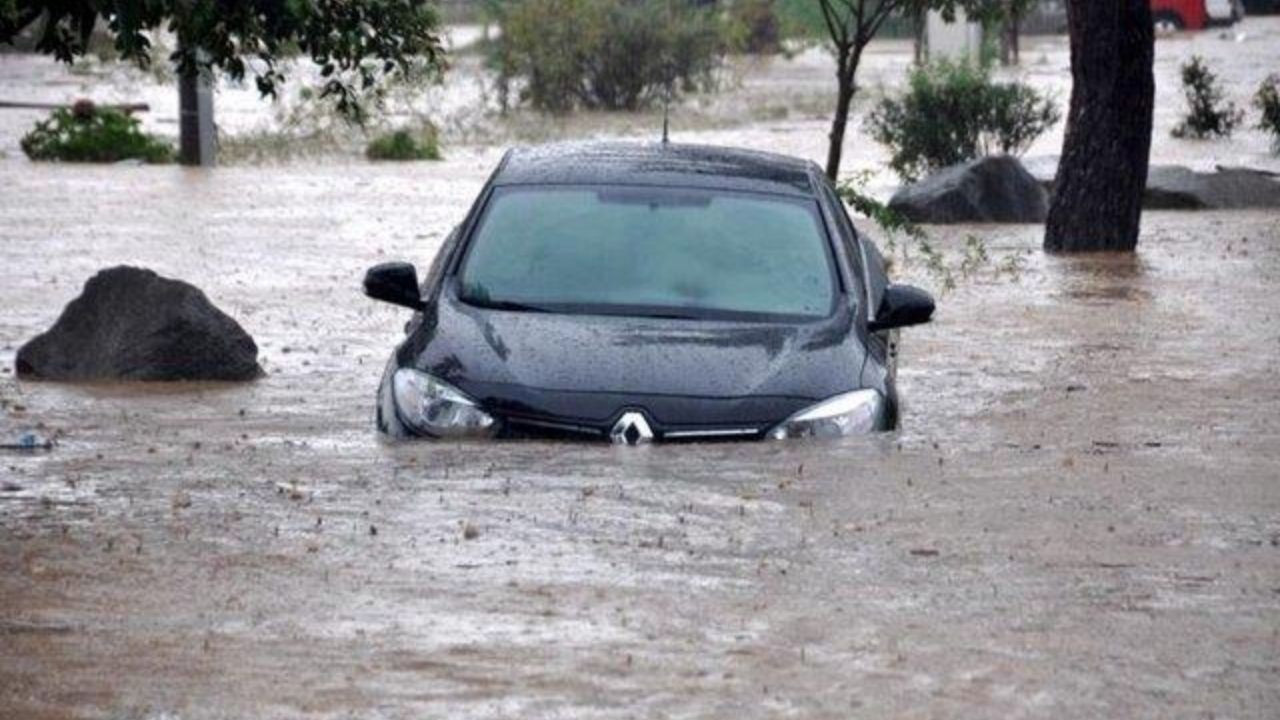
[{"x": 525, "y": 427}]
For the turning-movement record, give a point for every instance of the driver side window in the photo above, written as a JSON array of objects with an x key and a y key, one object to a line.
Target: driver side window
[{"x": 862, "y": 251}]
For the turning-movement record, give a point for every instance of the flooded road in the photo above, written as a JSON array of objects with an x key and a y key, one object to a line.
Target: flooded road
[{"x": 1080, "y": 518}]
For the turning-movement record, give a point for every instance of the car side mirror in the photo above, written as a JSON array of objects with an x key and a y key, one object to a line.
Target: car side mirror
[
  {"x": 903, "y": 305},
  {"x": 396, "y": 283}
]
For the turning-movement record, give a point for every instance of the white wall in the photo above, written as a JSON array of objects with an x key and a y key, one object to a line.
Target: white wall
[{"x": 957, "y": 40}]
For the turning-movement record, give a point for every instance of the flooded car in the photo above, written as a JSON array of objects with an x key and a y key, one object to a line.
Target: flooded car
[{"x": 647, "y": 292}]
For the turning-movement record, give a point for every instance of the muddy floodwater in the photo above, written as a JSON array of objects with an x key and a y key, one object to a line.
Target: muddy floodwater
[{"x": 1079, "y": 519}]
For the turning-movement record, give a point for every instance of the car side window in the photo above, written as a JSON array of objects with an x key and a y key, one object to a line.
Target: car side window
[
  {"x": 862, "y": 253},
  {"x": 431, "y": 282},
  {"x": 877, "y": 278}
]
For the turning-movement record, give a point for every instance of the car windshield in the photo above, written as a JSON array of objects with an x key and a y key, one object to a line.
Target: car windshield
[{"x": 649, "y": 251}]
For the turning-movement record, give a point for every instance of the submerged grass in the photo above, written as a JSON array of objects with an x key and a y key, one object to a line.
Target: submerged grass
[{"x": 404, "y": 144}]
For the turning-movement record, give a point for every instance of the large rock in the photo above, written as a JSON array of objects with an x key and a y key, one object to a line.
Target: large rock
[
  {"x": 1044, "y": 168},
  {"x": 132, "y": 324},
  {"x": 1173, "y": 187},
  {"x": 990, "y": 189}
]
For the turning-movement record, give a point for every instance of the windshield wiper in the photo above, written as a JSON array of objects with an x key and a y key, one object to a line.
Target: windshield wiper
[
  {"x": 507, "y": 305},
  {"x": 668, "y": 315}
]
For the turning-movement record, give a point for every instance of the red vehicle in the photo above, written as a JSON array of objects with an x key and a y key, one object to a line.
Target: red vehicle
[{"x": 1172, "y": 15}]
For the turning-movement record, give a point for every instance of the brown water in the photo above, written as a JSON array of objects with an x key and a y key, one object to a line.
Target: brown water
[{"x": 1081, "y": 517}]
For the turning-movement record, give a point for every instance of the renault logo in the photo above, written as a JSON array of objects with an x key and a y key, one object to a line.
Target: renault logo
[{"x": 631, "y": 429}]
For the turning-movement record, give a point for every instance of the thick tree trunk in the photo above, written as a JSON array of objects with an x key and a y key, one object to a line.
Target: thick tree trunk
[
  {"x": 197, "y": 136},
  {"x": 1097, "y": 198}
]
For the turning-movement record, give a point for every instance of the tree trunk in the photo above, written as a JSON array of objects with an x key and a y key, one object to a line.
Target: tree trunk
[
  {"x": 1006, "y": 42},
  {"x": 1009, "y": 54},
  {"x": 197, "y": 136},
  {"x": 1097, "y": 198},
  {"x": 846, "y": 71},
  {"x": 1015, "y": 32},
  {"x": 917, "y": 34},
  {"x": 835, "y": 149}
]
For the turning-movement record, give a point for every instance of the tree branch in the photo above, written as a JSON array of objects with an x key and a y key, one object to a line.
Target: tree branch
[
  {"x": 838, "y": 30},
  {"x": 882, "y": 12},
  {"x": 21, "y": 21}
]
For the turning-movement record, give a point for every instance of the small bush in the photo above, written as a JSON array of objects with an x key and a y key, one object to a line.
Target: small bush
[
  {"x": 604, "y": 54},
  {"x": 87, "y": 133},
  {"x": 405, "y": 145},
  {"x": 1267, "y": 100},
  {"x": 755, "y": 26},
  {"x": 954, "y": 112},
  {"x": 1206, "y": 116}
]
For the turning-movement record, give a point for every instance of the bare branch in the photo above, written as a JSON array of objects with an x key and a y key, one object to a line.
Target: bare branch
[
  {"x": 884, "y": 9},
  {"x": 838, "y": 30},
  {"x": 25, "y": 17}
]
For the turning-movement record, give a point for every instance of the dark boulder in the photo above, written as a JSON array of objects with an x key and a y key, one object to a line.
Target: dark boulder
[
  {"x": 1173, "y": 187},
  {"x": 132, "y": 324},
  {"x": 989, "y": 189},
  {"x": 1044, "y": 168},
  {"x": 1176, "y": 187}
]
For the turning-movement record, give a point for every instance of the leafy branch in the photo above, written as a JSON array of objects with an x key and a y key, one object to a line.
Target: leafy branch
[{"x": 359, "y": 46}]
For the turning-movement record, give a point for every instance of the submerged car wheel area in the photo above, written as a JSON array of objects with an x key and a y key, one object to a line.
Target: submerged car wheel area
[{"x": 647, "y": 293}]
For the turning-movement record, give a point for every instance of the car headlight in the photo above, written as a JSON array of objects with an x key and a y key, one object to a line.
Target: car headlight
[
  {"x": 429, "y": 406},
  {"x": 854, "y": 413}
]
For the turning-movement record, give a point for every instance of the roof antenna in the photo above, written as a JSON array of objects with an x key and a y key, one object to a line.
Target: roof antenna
[
  {"x": 666, "y": 103},
  {"x": 666, "y": 115}
]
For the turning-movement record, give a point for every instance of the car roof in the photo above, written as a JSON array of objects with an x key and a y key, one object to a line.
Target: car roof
[{"x": 670, "y": 164}]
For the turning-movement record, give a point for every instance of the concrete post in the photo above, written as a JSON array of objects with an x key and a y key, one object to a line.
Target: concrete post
[{"x": 197, "y": 136}]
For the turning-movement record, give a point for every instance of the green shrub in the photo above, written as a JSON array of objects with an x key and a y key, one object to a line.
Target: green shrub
[
  {"x": 755, "y": 26},
  {"x": 1205, "y": 116},
  {"x": 954, "y": 112},
  {"x": 604, "y": 54},
  {"x": 1267, "y": 100},
  {"x": 90, "y": 134},
  {"x": 405, "y": 145}
]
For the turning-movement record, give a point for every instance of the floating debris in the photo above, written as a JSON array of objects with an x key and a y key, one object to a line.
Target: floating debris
[{"x": 28, "y": 442}]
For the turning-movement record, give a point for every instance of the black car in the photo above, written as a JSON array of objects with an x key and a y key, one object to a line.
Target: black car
[{"x": 647, "y": 292}]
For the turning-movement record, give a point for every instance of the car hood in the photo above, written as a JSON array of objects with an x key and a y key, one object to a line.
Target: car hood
[{"x": 592, "y": 367}]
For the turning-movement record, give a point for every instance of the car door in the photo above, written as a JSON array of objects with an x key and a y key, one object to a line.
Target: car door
[
  {"x": 877, "y": 282},
  {"x": 882, "y": 344}
]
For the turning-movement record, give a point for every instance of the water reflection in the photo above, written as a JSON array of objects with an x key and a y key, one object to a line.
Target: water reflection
[{"x": 1101, "y": 278}]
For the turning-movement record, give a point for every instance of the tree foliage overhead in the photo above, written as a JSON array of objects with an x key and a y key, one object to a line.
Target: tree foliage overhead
[{"x": 356, "y": 43}]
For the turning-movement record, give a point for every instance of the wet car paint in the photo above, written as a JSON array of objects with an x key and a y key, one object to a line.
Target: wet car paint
[{"x": 579, "y": 373}]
